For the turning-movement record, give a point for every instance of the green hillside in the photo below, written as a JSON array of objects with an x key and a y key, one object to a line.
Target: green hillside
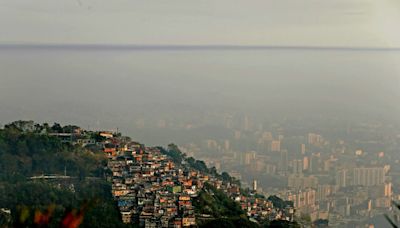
[{"x": 26, "y": 150}]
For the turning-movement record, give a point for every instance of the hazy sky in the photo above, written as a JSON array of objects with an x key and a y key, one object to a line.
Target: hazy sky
[
  {"x": 262, "y": 22},
  {"x": 112, "y": 88}
]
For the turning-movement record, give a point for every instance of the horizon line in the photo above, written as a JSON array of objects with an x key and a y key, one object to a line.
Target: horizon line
[{"x": 194, "y": 47}]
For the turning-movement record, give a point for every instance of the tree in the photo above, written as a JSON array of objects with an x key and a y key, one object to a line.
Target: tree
[
  {"x": 21, "y": 125},
  {"x": 217, "y": 203},
  {"x": 56, "y": 128},
  {"x": 70, "y": 129},
  {"x": 279, "y": 203},
  {"x": 225, "y": 176}
]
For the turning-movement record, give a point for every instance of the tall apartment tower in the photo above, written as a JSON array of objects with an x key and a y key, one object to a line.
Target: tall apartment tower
[
  {"x": 303, "y": 148},
  {"x": 306, "y": 163},
  {"x": 388, "y": 189},
  {"x": 297, "y": 166},
  {"x": 314, "y": 162},
  {"x": 255, "y": 185},
  {"x": 283, "y": 163},
  {"x": 276, "y": 146},
  {"x": 341, "y": 178},
  {"x": 368, "y": 176},
  {"x": 314, "y": 139}
]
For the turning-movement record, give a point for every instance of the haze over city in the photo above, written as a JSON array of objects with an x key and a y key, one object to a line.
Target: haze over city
[{"x": 296, "y": 99}]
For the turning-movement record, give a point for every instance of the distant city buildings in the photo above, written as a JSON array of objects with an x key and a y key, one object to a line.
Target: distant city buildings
[
  {"x": 370, "y": 176},
  {"x": 352, "y": 171}
]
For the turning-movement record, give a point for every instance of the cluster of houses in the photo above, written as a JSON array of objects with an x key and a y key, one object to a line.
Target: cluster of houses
[{"x": 153, "y": 191}]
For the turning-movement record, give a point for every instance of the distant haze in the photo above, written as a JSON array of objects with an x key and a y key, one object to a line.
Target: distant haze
[
  {"x": 114, "y": 88},
  {"x": 105, "y": 64}
]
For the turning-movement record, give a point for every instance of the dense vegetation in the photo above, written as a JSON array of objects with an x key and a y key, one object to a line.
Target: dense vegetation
[
  {"x": 26, "y": 150},
  {"x": 216, "y": 203},
  {"x": 227, "y": 212},
  {"x": 180, "y": 158},
  {"x": 279, "y": 203}
]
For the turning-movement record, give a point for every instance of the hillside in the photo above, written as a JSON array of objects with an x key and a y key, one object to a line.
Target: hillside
[
  {"x": 222, "y": 202},
  {"x": 64, "y": 176},
  {"x": 28, "y": 149}
]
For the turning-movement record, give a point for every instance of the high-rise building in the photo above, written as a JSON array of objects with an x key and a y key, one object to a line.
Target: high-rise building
[
  {"x": 276, "y": 146},
  {"x": 314, "y": 139},
  {"x": 369, "y": 205},
  {"x": 249, "y": 157},
  {"x": 303, "y": 148},
  {"x": 298, "y": 181},
  {"x": 388, "y": 189},
  {"x": 324, "y": 191},
  {"x": 297, "y": 166},
  {"x": 270, "y": 168},
  {"x": 314, "y": 162},
  {"x": 267, "y": 136},
  {"x": 283, "y": 163},
  {"x": 227, "y": 145},
  {"x": 255, "y": 185},
  {"x": 306, "y": 163},
  {"x": 301, "y": 199},
  {"x": 341, "y": 178},
  {"x": 368, "y": 176}
]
